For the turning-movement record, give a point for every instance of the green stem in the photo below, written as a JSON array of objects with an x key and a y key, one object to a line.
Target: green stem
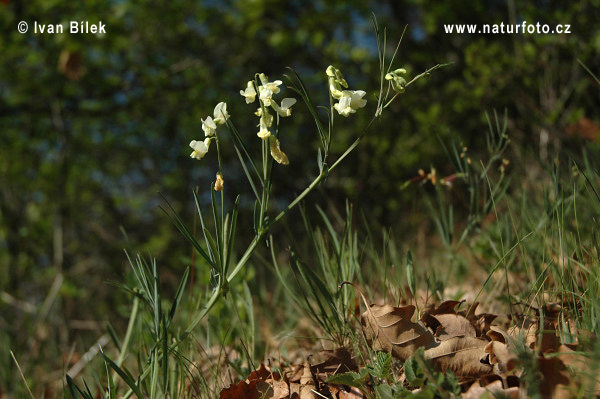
[
  {"x": 132, "y": 318},
  {"x": 299, "y": 198},
  {"x": 128, "y": 333}
]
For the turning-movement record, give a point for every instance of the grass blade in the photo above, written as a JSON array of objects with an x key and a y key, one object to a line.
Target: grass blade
[{"x": 124, "y": 374}]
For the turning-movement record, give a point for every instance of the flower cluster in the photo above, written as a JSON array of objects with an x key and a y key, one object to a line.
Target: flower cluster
[
  {"x": 209, "y": 126},
  {"x": 348, "y": 100},
  {"x": 266, "y": 90},
  {"x": 397, "y": 80}
]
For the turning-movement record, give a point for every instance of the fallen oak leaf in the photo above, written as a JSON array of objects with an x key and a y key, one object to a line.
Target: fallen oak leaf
[
  {"x": 430, "y": 311},
  {"x": 240, "y": 390},
  {"x": 482, "y": 321},
  {"x": 254, "y": 387},
  {"x": 335, "y": 361},
  {"x": 501, "y": 351},
  {"x": 454, "y": 325},
  {"x": 500, "y": 357},
  {"x": 263, "y": 373},
  {"x": 578, "y": 363},
  {"x": 446, "y": 307},
  {"x": 461, "y": 355},
  {"x": 307, "y": 383},
  {"x": 390, "y": 329},
  {"x": 281, "y": 389},
  {"x": 555, "y": 378}
]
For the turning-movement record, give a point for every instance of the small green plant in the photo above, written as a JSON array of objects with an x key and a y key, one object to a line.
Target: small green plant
[{"x": 161, "y": 362}]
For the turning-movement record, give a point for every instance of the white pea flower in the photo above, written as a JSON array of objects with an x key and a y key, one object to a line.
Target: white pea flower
[
  {"x": 350, "y": 101},
  {"x": 220, "y": 113},
  {"x": 285, "y": 109},
  {"x": 267, "y": 89},
  {"x": 249, "y": 93},
  {"x": 263, "y": 131},
  {"x": 200, "y": 148},
  {"x": 209, "y": 126},
  {"x": 336, "y": 82},
  {"x": 268, "y": 118},
  {"x": 335, "y": 92},
  {"x": 266, "y": 85}
]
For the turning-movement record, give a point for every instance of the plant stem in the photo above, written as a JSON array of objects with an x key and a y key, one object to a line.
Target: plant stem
[{"x": 132, "y": 319}]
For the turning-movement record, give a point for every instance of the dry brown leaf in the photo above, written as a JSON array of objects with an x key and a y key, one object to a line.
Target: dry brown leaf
[
  {"x": 334, "y": 361},
  {"x": 501, "y": 350},
  {"x": 240, "y": 390},
  {"x": 461, "y": 355},
  {"x": 353, "y": 393},
  {"x": 294, "y": 390},
  {"x": 281, "y": 390},
  {"x": 482, "y": 322},
  {"x": 263, "y": 373},
  {"x": 255, "y": 386},
  {"x": 494, "y": 389},
  {"x": 446, "y": 322},
  {"x": 501, "y": 357},
  {"x": 498, "y": 334},
  {"x": 555, "y": 378},
  {"x": 265, "y": 390},
  {"x": 390, "y": 329},
  {"x": 454, "y": 325},
  {"x": 579, "y": 364},
  {"x": 307, "y": 383},
  {"x": 444, "y": 308},
  {"x": 295, "y": 373},
  {"x": 527, "y": 329}
]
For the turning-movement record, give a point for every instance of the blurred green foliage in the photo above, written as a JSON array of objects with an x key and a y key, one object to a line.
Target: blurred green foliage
[{"x": 93, "y": 126}]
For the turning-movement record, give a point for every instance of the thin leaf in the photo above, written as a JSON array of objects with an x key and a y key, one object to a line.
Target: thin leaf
[
  {"x": 124, "y": 374},
  {"x": 165, "y": 352},
  {"x": 179, "y": 293},
  {"x": 238, "y": 140},
  {"x": 300, "y": 89},
  {"x": 247, "y": 173},
  {"x": 231, "y": 236},
  {"x": 186, "y": 232}
]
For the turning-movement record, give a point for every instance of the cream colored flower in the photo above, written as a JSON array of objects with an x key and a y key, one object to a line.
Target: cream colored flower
[
  {"x": 268, "y": 118},
  {"x": 249, "y": 93},
  {"x": 220, "y": 113},
  {"x": 200, "y": 148},
  {"x": 350, "y": 101},
  {"x": 267, "y": 89},
  {"x": 263, "y": 131},
  {"x": 209, "y": 126},
  {"x": 285, "y": 109},
  {"x": 336, "y": 82},
  {"x": 398, "y": 82}
]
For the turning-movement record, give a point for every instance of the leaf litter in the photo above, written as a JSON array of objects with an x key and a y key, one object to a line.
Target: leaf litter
[{"x": 485, "y": 353}]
